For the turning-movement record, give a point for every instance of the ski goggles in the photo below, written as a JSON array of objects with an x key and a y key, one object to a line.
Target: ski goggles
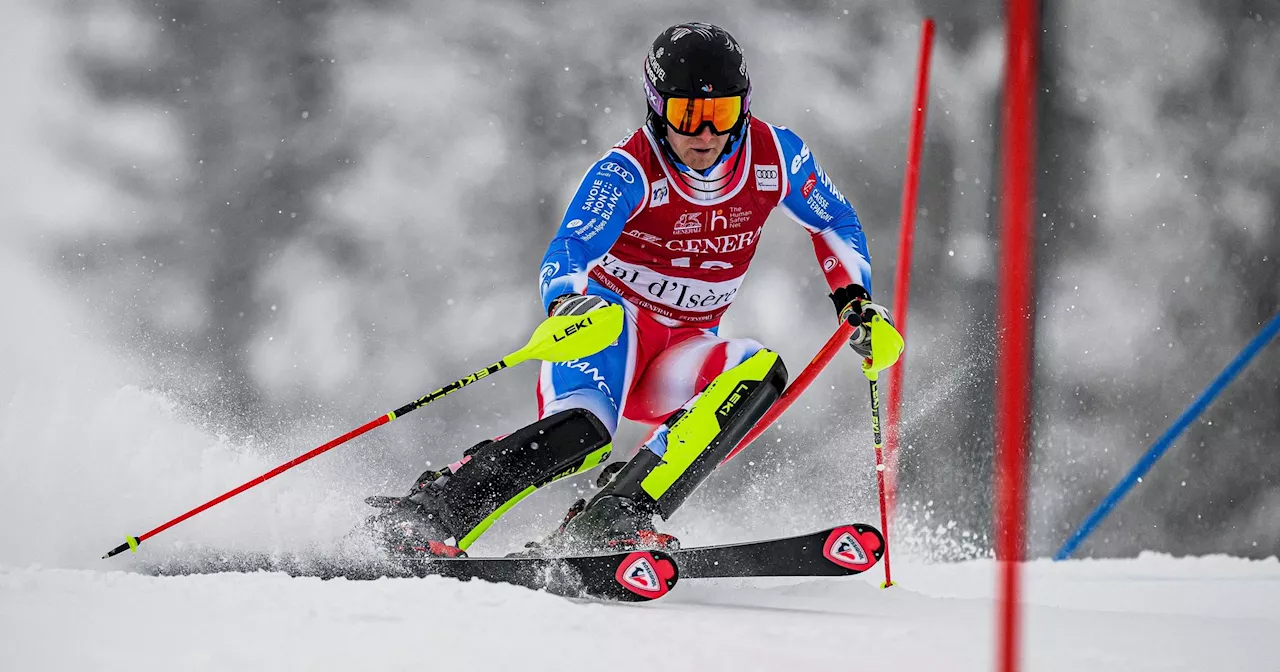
[{"x": 687, "y": 116}]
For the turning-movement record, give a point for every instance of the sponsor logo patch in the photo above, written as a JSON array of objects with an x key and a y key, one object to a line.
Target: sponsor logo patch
[
  {"x": 738, "y": 216},
  {"x": 848, "y": 549},
  {"x": 819, "y": 206},
  {"x": 800, "y": 159},
  {"x": 602, "y": 199},
  {"x": 640, "y": 574},
  {"x": 645, "y": 575},
  {"x": 689, "y": 222},
  {"x": 646, "y": 237},
  {"x": 719, "y": 244},
  {"x": 685, "y": 294},
  {"x": 659, "y": 193},
  {"x": 767, "y": 178},
  {"x": 656, "y": 73},
  {"x": 548, "y": 270},
  {"x": 718, "y": 220},
  {"x": 809, "y": 184},
  {"x": 655, "y": 100},
  {"x": 826, "y": 182},
  {"x": 829, "y": 263},
  {"x": 853, "y": 548},
  {"x": 588, "y": 370},
  {"x": 619, "y": 170},
  {"x": 742, "y": 390},
  {"x": 586, "y": 230}
]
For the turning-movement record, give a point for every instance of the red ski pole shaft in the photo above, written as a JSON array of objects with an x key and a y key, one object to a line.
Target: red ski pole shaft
[
  {"x": 798, "y": 386},
  {"x": 880, "y": 469},
  {"x": 132, "y": 542},
  {"x": 789, "y": 396},
  {"x": 559, "y": 338}
]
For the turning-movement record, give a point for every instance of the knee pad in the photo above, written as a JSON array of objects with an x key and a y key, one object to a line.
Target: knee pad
[
  {"x": 699, "y": 436},
  {"x": 501, "y": 473}
]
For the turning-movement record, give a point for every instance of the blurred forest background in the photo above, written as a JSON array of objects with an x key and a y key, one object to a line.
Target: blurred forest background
[{"x": 303, "y": 213}]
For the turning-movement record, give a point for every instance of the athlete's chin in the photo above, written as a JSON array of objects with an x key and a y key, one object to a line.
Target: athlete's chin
[{"x": 699, "y": 160}]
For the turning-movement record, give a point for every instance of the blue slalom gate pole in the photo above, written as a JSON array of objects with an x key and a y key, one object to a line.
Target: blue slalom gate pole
[{"x": 1162, "y": 444}]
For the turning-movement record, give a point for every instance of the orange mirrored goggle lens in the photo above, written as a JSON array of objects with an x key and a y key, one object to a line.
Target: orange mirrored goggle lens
[{"x": 688, "y": 115}]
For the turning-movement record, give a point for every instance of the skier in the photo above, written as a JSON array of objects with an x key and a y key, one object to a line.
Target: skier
[{"x": 665, "y": 224}]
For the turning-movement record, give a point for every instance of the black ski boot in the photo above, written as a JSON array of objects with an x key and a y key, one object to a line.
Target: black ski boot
[
  {"x": 447, "y": 510},
  {"x": 608, "y": 523},
  {"x": 614, "y": 523},
  {"x": 414, "y": 525}
]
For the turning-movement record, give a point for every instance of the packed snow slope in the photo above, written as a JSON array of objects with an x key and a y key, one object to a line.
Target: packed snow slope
[
  {"x": 1150, "y": 613},
  {"x": 86, "y": 456}
]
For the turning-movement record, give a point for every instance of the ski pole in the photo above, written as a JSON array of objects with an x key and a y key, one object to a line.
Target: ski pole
[
  {"x": 797, "y": 387},
  {"x": 886, "y": 340},
  {"x": 557, "y": 339},
  {"x": 879, "y": 447}
]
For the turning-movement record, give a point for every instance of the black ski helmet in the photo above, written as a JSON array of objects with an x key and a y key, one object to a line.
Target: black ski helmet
[{"x": 694, "y": 60}]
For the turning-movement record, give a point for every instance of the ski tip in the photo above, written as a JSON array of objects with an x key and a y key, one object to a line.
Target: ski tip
[{"x": 856, "y": 548}]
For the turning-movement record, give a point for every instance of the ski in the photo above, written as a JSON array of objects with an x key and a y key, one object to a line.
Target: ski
[
  {"x": 636, "y": 576},
  {"x": 838, "y": 551}
]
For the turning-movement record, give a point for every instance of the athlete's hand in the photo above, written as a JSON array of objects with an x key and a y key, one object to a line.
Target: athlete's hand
[
  {"x": 575, "y": 304},
  {"x": 854, "y": 305}
]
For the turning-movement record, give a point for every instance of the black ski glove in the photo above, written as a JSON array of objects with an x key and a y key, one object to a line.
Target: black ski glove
[
  {"x": 575, "y": 304},
  {"x": 854, "y": 305}
]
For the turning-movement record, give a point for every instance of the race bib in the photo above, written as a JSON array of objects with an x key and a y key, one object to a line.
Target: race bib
[{"x": 680, "y": 294}]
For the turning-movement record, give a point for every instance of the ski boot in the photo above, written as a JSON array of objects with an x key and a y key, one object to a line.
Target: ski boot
[
  {"x": 609, "y": 523},
  {"x": 447, "y": 510},
  {"x": 414, "y": 525},
  {"x": 613, "y": 523}
]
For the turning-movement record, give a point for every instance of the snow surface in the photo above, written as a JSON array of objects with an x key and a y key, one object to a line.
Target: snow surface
[
  {"x": 88, "y": 456},
  {"x": 1150, "y": 613}
]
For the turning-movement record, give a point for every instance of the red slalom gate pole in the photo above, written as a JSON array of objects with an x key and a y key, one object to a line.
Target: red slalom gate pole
[
  {"x": 907, "y": 234},
  {"x": 1015, "y": 313},
  {"x": 902, "y": 280},
  {"x": 886, "y": 471}
]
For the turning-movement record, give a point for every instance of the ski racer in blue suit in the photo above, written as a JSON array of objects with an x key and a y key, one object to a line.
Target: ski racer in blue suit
[{"x": 665, "y": 225}]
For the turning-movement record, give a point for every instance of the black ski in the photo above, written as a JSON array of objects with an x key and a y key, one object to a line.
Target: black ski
[
  {"x": 838, "y": 551},
  {"x": 637, "y": 576}
]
